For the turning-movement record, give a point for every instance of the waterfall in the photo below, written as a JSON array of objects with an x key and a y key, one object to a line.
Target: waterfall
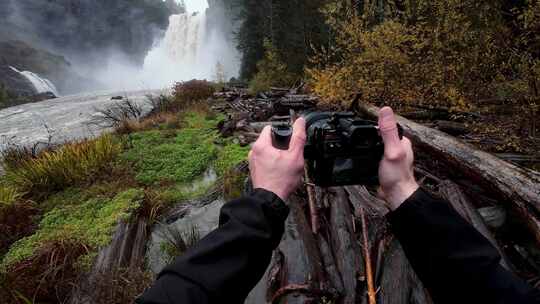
[
  {"x": 191, "y": 48},
  {"x": 41, "y": 85}
]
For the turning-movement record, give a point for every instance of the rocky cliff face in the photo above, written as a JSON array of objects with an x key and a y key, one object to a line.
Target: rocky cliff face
[
  {"x": 87, "y": 29},
  {"x": 56, "y": 68},
  {"x": 59, "y": 39}
]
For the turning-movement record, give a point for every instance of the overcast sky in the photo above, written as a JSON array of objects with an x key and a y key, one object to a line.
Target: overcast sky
[{"x": 196, "y": 5}]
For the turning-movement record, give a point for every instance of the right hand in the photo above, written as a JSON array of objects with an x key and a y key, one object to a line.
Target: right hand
[{"x": 396, "y": 173}]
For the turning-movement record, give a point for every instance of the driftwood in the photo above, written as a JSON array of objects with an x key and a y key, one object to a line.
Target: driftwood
[
  {"x": 514, "y": 185},
  {"x": 395, "y": 280},
  {"x": 301, "y": 277},
  {"x": 344, "y": 242},
  {"x": 399, "y": 283}
]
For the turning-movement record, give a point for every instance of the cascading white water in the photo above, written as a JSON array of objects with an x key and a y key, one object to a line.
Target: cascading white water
[
  {"x": 41, "y": 85},
  {"x": 189, "y": 50}
]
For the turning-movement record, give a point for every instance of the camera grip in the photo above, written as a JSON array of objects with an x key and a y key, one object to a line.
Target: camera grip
[
  {"x": 400, "y": 131},
  {"x": 281, "y": 137}
]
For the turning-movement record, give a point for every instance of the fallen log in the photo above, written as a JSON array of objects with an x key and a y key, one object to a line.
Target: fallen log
[
  {"x": 516, "y": 186},
  {"x": 343, "y": 240},
  {"x": 300, "y": 278},
  {"x": 399, "y": 283},
  {"x": 394, "y": 277},
  {"x": 519, "y": 158}
]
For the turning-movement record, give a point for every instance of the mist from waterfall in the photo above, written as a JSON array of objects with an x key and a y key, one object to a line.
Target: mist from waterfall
[{"x": 190, "y": 49}]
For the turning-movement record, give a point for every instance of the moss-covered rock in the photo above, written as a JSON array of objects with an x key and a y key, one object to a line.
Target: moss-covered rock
[{"x": 90, "y": 224}]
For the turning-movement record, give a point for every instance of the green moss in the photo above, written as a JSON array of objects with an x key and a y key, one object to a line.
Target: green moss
[
  {"x": 158, "y": 158},
  {"x": 181, "y": 156},
  {"x": 230, "y": 156},
  {"x": 104, "y": 190},
  {"x": 91, "y": 223},
  {"x": 198, "y": 120}
]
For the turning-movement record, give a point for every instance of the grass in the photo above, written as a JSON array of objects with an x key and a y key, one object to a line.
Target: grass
[
  {"x": 71, "y": 164},
  {"x": 8, "y": 195},
  {"x": 91, "y": 223},
  {"x": 72, "y": 197}
]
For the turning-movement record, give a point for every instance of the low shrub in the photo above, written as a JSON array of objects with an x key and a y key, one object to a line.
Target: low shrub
[
  {"x": 190, "y": 92},
  {"x": 118, "y": 114},
  {"x": 46, "y": 278},
  {"x": 69, "y": 165},
  {"x": 161, "y": 103}
]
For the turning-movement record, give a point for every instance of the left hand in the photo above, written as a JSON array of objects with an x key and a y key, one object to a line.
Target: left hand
[{"x": 278, "y": 171}]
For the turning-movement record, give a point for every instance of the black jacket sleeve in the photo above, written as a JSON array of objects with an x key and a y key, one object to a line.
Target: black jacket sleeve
[
  {"x": 225, "y": 265},
  {"x": 453, "y": 260}
]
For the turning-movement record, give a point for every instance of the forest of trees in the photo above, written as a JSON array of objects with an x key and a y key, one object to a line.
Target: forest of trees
[{"x": 449, "y": 53}]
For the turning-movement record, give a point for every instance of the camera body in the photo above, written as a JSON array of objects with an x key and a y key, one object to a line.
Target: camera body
[{"x": 341, "y": 149}]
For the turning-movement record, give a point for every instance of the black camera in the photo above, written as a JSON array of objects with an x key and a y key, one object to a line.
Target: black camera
[{"x": 341, "y": 149}]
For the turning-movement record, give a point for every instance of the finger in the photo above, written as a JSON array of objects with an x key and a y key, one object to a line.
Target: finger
[
  {"x": 389, "y": 131},
  {"x": 298, "y": 139},
  {"x": 265, "y": 138}
]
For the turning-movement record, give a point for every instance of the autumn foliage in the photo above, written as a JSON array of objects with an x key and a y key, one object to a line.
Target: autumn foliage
[{"x": 453, "y": 54}]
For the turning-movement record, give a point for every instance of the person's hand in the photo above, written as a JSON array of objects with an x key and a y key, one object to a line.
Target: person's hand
[
  {"x": 275, "y": 170},
  {"x": 396, "y": 173}
]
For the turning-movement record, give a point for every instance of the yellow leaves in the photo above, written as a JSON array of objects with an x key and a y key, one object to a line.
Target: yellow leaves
[
  {"x": 441, "y": 53},
  {"x": 456, "y": 100}
]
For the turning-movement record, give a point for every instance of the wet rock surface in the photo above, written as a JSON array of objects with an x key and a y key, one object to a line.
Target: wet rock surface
[
  {"x": 60, "y": 119},
  {"x": 198, "y": 222}
]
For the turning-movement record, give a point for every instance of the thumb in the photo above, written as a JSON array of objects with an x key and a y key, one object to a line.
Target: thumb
[
  {"x": 389, "y": 131},
  {"x": 265, "y": 138},
  {"x": 298, "y": 139}
]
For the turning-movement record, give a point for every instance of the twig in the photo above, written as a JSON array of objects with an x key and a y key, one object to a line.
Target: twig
[
  {"x": 314, "y": 214},
  {"x": 369, "y": 272}
]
